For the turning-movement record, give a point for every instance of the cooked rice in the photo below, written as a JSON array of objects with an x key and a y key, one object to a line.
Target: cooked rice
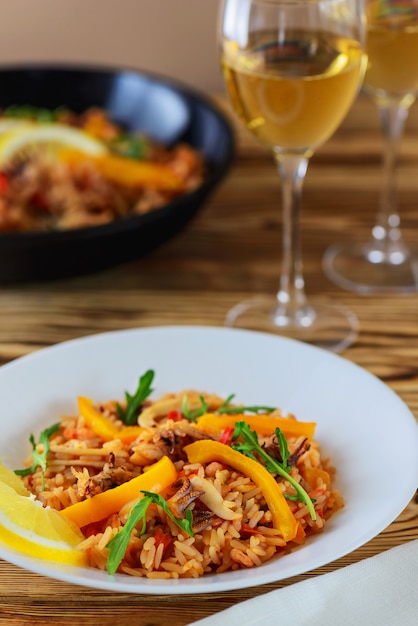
[{"x": 77, "y": 455}]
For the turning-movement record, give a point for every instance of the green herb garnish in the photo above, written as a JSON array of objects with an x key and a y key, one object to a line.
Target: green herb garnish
[
  {"x": 39, "y": 458},
  {"x": 251, "y": 448},
  {"x": 119, "y": 544},
  {"x": 185, "y": 524},
  {"x": 245, "y": 409},
  {"x": 193, "y": 415},
  {"x": 133, "y": 403},
  {"x": 129, "y": 146},
  {"x": 284, "y": 449},
  {"x": 40, "y": 114},
  {"x": 225, "y": 408}
]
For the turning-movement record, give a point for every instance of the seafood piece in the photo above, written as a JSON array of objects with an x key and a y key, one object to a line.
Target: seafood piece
[
  {"x": 211, "y": 497},
  {"x": 110, "y": 476},
  {"x": 174, "y": 402},
  {"x": 201, "y": 519},
  {"x": 184, "y": 496}
]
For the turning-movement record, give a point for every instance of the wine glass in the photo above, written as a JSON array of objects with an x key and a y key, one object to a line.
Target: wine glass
[
  {"x": 292, "y": 69},
  {"x": 384, "y": 263}
]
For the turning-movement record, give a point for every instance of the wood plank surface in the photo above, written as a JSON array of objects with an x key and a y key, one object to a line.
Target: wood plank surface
[{"x": 230, "y": 251}]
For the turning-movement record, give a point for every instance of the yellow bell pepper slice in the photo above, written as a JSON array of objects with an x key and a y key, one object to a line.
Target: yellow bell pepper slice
[
  {"x": 312, "y": 474},
  {"x": 128, "y": 434},
  {"x": 263, "y": 425},
  {"x": 100, "y": 425},
  {"x": 206, "y": 451},
  {"x": 127, "y": 171},
  {"x": 157, "y": 478}
]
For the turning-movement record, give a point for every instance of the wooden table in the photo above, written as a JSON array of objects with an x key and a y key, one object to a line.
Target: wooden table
[{"x": 230, "y": 251}]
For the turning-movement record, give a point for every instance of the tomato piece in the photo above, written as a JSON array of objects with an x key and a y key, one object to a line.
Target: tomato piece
[
  {"x": 246, "y": 531},
  {"x": 4, "y": 183},
  {"x": 39, "y": 202},
  {"x": 226, "y": 436},
  {"x": 176, "y": 416},
  {"x": 162, "y": 538}
]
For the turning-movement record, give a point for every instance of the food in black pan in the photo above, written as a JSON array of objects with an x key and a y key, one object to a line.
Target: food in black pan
[{"x": 62, "y": 170}]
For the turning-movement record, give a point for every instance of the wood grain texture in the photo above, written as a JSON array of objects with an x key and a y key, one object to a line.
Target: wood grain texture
[{"x": 231, "y": 250}]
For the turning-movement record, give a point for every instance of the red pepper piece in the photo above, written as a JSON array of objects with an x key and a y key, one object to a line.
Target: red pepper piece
[
  {"x": 226, "y": 436},
  {"x": 176, "y": 416},
  {"x": 4, "y": 183},
  {"x": 162, "y": 538}
]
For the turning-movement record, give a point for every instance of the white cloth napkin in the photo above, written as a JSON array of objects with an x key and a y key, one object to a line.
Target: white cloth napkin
[{"x": 378, "y": 591}]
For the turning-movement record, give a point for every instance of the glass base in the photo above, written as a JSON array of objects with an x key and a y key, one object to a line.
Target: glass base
[
  {"x": 366, "y": 269},
  {"x": 325, "y": 326}
]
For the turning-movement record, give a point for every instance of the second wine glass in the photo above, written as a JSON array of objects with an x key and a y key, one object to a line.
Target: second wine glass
[
  {"x": 292, "y": 69},
  {"x": 384, "y": 263}
]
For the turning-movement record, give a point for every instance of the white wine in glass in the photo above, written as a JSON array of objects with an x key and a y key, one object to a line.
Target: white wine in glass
[
  {"x": 292, "y": 69},
  {"x": 384, "y": 263}
]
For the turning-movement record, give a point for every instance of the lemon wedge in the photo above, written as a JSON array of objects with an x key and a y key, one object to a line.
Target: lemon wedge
[
  {"x": 10, "y": 123},
  {"x": 10, "y": 478},
  {"x": 27, "y": 527},
  {"x": 24, "y": 138}
]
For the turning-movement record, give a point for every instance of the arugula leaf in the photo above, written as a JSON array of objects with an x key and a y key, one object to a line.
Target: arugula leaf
[
  {"x": 41, "y": 114},
  {"x": 284, "y": 449},
  {"x": 193, "y": 415},
  {"x": 243, "y": 409},
  {"x": 225, "y": 404},
  {"x": 183, "y": 524},
  {"x": 129, "y": 146},
  {"x": 119, "y": 543},
  {"x": 225, "y": 408},
  {"x": 133, "y": 403},
  {"x": 251, "y": 448},
  {"x": 39, "y": 458}
]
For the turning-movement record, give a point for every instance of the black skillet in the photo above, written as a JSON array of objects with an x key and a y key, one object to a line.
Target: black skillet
[{"x": 162, "y": 108}]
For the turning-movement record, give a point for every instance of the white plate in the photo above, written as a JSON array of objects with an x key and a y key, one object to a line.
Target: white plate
[{"x": 364, "y": 427}]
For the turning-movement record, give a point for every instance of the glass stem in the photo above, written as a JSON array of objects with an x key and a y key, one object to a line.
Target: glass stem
[
  {"x": 292, "y": 308},
  {"x": 386, "y": 232}
]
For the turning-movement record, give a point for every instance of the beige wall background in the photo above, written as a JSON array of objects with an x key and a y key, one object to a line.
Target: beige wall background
[{"x": 172, "y": 37}]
